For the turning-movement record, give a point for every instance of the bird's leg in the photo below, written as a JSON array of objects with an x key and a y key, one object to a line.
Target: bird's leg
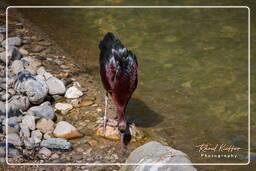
[
  {"x": 105, "y": 114},
  {"x": 122, "y": 143}
]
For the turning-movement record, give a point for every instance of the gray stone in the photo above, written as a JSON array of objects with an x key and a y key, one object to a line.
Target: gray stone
[
  {"x": 31, "y": 64},
  {"x": 14, "y": 139},
  {"x": 29, "y": 121},
  {"x": 12, "y": 151},
  {"x": 17, "y": 104},
  {"x": 2, "y": 109},
  {"x": 2, "y": 30},
  {"x": 12, "y": 41},
  {"x": 12, "y": 54},
  {"x": 56, "y": 143},
  {"x": 43, "y": 111},
  {"x": 55, "y": 86},
  {"x": 36, "y": 137},
  {"x": 17, "y": 66},
  {"x": 45, "y": 152},
  {"x": 24, "y": 130},
  {"x": 34, "y": 88},
  {"x": 154, "y": 152},
  {"x": 4, "y": 96},
  {"x": 28, "y": 144}
]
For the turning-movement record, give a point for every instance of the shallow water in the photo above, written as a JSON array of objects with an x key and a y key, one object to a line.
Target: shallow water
[{"x": 193, "y": 68}]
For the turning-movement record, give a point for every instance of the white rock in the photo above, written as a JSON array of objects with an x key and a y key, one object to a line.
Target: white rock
[
  {"x": 63, "y": 107},
  {"x": 65, "y": 130},
  {"x": 73, "y": 92},
  {"x": 55, "y": 86},
  {"x": 29, "y": 121},
  {"x": 154, "y": 152}
]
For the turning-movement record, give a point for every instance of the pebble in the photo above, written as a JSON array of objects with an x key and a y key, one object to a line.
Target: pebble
[
  {"x": 17, "y": 103},
  {"x": 29, "y": 121},
  {"x": 45, "y": 125},
  {"x": 63, "y": 107},
  {"x": 65, "y": 130},
  {"x": 36, "y": 136},
  {"x": 2, "y": 37},
  {"x": 45, "y": 152},
  {"x": 68, "y": 169},
  {"x": 12, "y": 151},
  {"x": 75, "y": 102},
  {"x": 43, "y": 111},
  {"x": 47, "y": 135},
  {"x": 54, "y": 156},
  {"x": 24, "y": 131},
  {"x": 86, "y": 103},
  {"x": 34, "y": 88},
  {"x": 62, "y": 75},
  {"x": 12, "y": 54},
  {"x": 73, "y": 92},
  {"x": 17, "y": 66},
  {"x": 56, "y": 143},
  {"x": 23, "y": 51},
  {"x": 37, "y": 49},
  {"x": 14, "y": 139},
  {"x": 55, "y": 86},
  {"x": 12, "y": 41},
  {"x": 92, "y": 143}
]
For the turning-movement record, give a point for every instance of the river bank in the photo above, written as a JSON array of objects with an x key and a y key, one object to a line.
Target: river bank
[{"x": 81, "y": 110}]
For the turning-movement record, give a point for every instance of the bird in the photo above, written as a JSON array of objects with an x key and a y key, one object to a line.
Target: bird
[{"x": 119, "y": 75}]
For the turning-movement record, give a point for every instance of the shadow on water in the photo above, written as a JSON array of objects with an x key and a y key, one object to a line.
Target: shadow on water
[{"x": 140, "y": 114}]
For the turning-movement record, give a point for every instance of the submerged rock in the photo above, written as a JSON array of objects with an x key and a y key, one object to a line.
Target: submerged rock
[
  {"x": 34, "y": 88},
  {"x": 66, "y": 130},
  {"x": 57, "y": 144},
  {"x": 154, "y": 152},
  {"x": 63, "y": 107},
  {"x": 112, "y": 132},
  {"x": 37, "y": 49},
  {"x": 43, "y": 111}
]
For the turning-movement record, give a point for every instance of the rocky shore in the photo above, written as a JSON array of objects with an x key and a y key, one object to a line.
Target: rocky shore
[{"x": 55, "y": 109}]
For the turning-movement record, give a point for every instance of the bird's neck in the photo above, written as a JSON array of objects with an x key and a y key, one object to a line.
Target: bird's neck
[{"x": 121, "y": 112}]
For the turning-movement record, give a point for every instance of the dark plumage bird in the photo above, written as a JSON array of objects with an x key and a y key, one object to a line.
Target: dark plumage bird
[{"x": 118, "y": 70}]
